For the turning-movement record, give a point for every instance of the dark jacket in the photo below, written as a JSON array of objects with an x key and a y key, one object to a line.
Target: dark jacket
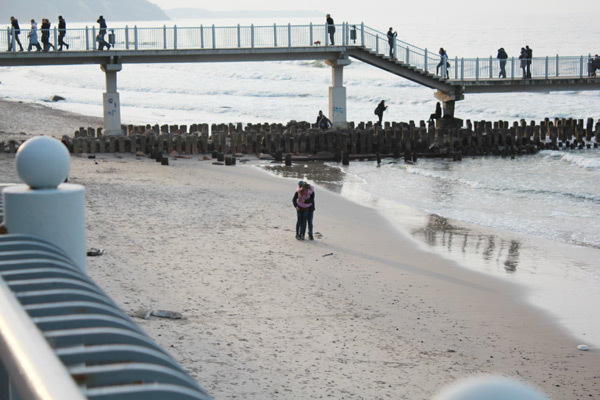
[
  {"x": 62, "y": 26},
  {"x": 102, "y": 23},
  {"x": 311, "y": 199},
  {"x": 15, "y": 24},
  {"x": 502, "y": 54},
  {"x": 330, "y": 25}
]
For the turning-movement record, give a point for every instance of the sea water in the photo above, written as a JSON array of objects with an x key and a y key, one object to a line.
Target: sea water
[{"x": 533, "y": 220}]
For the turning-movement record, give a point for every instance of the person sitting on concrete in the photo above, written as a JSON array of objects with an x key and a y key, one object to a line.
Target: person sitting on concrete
[{"x": 437, "y": 114}]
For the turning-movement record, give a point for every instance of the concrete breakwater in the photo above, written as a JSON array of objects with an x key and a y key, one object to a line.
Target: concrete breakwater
[{"x": 302, "y": 140}]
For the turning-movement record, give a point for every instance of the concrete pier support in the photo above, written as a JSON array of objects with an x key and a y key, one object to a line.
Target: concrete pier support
[
  {"x": 337, "y": 93},
  {"x": 111, "y": 103},
  {"x": 448, "y": 102}
]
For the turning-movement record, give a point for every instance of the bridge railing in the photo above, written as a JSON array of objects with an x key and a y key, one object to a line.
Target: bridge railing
[{"x": 237, "y": 36}]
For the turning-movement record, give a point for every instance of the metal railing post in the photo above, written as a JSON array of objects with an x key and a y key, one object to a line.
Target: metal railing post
[
  {"x": 201, "y": 36},
  {"x": 477, "y": 69},
  {"x": 12, "y": 39},
  {"x": 175, "y": 37},
  {"x": 135, "y": 37},
  {"x": 289, "y": 35},
  {"x": 490, "y": 67},
  {"x": 546, "y": 74},
  {"x": 55, "y": 38},
  {"x": 214, "y": 40},
  {"x": 274, "y": 35},
  {"x": 455, "y": 67},
  {"x": 557, "y": 74},
  {"x": 362, "y": 33},
  {"x": 164, "y": 37},
  {"x": 407, "y": 55},
  {"x": 239, "y": 36},
  {"x": 462, "y": 69},
  {"x": 512, "y": 68},
  {"x": 426, "y": 56},
  {"x": 252, "y": 35},
  {"x": 126, "y": 37},
  {"x": 581, "y": 66},
  {"x": 311, "y": 34},
  {"x": 94, "y": 37}
]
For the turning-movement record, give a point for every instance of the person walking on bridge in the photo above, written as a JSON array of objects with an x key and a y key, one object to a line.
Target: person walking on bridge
[
  {"x": 101, "y": 33},
  {"x": 33, "y": 37},
  {"x": 443, "y": 63},
  {"x": 529, "y": 59},
  {"x": 502, "y": 56},
  {"x": 331, "y": 29},
  {"x": 62, "y": 32},
  {"x": 17, "y": 30},
  {"x": 46, "y": 34},
  {"x": 523, "y": 61},
  {"x": 392, "y": 40}
]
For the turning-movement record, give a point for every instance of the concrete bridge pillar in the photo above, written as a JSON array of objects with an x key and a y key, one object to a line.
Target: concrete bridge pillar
[
  {"x": 111, "y": 103},
  {"x": 448, "y": 102},
  {"x": 337, "y": 93}
]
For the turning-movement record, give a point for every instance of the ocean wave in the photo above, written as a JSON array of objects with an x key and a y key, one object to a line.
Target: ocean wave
[{"x": 582, "y": 160}]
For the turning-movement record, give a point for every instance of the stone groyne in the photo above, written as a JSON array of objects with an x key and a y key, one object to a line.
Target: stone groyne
[{"x": 302, "y": 140}]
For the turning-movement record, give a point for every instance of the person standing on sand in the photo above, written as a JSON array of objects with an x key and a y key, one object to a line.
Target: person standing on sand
[
  {"x": 304, "y": 202},
  {"x": 381, "y": 107},
  {"x": 331, "y": 29},
  {"x": 33, "y": 37},
  {"x": 17, "y": 30},
  {"x": 62, "y": 32}
]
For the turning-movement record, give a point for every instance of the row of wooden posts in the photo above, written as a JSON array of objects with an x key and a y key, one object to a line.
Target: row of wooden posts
[{"x": 444, "y": 138}]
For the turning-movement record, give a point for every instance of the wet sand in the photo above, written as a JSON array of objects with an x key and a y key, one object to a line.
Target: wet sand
[{"x": 361, "y": 312}]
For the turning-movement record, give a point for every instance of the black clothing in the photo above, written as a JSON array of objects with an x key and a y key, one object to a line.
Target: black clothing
[
  {"x": 437, "y": 114},
  {"x": 381, "y": 107},
  {"x": 100, "y": 38},
  {"x": 529, "y": 53},
  {"x": 17, "y": 29},
  {"x": 323, "y": 122},
  {"x": 46, "y": 36},
  {"x": 331, "y": 29},
  {"x": 502, "y": 56},
  {"x": 391, "y": 35},
  {"x": 62, "y": 32}
]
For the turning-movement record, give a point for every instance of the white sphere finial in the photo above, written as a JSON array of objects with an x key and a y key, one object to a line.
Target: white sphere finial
[{"x": 43, "y": 162}]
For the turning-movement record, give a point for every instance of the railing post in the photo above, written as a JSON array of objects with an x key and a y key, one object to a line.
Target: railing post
[
  {"x": 426, "y": 57},
  {"x": 512, "y": 68},
  {"x": 455, "y": 67},
  {"x": 462, "y": 69},
  {"x": 201, "y": 36},
  {"x": 175, "y": 37},
  {"x": 252, "y": 35},
  {"x": 135, "y": 37},
  {"x": 490, "y": 67},
  {"x": 164, "y": 37},
  {"x": 274, "y": 35},
  {"x": 214, "y": 39},
  {"x": 477, "y": 69},
  {"x": 362, "y": 33},
  {"x": 94, "y": 37},
  {"x": 126, "y": 37},
  {"x": 311, "y": 34},
  {"x": 546, "y": 74},
  {"x": 11, "y": 31},
  {"x": 239, "y": 36},
  {"x": 557, "y": 74},
  {"x": 407, "y": 55},
  {"x": 581, "y": 66},
  {"x": 55, "y": 38},
  {"x": 289, "y": 35}
]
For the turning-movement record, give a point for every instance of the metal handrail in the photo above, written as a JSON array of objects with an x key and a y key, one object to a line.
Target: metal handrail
[{"x": 273, "y": 36}]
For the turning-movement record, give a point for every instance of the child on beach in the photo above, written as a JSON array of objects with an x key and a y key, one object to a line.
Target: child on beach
[{"x": 304, "y": 202}]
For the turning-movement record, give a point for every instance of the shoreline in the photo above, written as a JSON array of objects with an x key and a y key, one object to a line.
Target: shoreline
[{"x": 359, "y": 313}]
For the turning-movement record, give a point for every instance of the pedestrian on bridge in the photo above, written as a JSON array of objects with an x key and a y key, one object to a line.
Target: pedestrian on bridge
[
  {"x": 33, "y": 37},
  {"x": 392, "y": 40},
  {"x": 529, "y": 59},
  {"x": 381, "y": 107},
  {"x": 62, "y": 32},
  {"x": 17, "y": 30},
  {"x": 46, "y": 34},
  {"x": 101, "y": 33},
  {"x": 443, "y": 63},
  {"x": 523, "y": 59},
  {"x": 331, "y": 29},
  {"x": 502, "y": 56}
]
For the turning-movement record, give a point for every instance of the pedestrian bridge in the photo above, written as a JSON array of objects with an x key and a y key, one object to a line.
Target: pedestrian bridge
[{"x": 301, "y": 42}]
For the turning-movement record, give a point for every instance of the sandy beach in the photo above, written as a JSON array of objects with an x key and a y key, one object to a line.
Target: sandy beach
[{"x": 359, "y": 313}]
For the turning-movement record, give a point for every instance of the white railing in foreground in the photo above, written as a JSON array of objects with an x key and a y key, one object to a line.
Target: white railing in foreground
[{"x": 243, "y": 37}]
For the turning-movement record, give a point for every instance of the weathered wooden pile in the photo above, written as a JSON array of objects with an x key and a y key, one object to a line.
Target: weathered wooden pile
[{"x": 295, "y": 140}]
